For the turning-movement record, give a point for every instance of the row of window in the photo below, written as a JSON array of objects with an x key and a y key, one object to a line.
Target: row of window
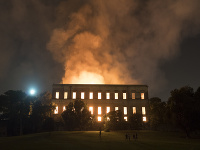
[
  {"x": 99, "y": 118},
  {"x": 99, "y": 110},
  {"x": 99, "y": 95}
]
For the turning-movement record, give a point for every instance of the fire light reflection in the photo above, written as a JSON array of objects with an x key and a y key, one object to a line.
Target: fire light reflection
[{"x": 88, "y": 78}]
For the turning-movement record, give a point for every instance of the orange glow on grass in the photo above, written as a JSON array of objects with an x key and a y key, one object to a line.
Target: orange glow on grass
[{"x": 88, "y": 78}]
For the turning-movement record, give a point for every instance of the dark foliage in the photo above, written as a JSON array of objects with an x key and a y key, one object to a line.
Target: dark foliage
[
  {"x": 157, "y": 112},
  {"x": 183, "y": 109},
  {"x": 76, "y": 116}
]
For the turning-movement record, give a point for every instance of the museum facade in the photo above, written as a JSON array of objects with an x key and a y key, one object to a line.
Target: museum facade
[{"x": 103, "y": 98}]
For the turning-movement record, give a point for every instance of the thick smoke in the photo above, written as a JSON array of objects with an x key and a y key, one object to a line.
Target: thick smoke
[
  {"x": 25, "y": 28},
  {"x": 124, "y": 42},
  {"x": 111, "y": 41}
]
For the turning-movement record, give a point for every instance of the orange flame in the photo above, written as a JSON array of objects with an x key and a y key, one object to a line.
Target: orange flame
[{"x": 87, "y": 78}]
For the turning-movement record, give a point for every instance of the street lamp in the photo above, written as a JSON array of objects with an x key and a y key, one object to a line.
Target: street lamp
[{"x": 32, "y": 91}]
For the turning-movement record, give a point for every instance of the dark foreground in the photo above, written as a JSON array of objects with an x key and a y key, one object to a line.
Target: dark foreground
[{"x": 147, "y": 140}]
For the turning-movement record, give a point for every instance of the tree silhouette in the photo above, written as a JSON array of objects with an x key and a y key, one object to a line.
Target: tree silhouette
[
  {"x": 76, "y": 116},
  {"x": 183, "y": 109}
]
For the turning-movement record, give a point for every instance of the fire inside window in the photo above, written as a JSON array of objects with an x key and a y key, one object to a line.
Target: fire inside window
[
  {"x": 108, "y": 119},
  {"x": 56, "y": 110},
  {"x": 57, "y": 95},
  {"x": 107, "y": 95},
  {"x": 91, "y": 95},
  {"x": 99, "y": 110},
  {"x": 124, "y": 95},
  {"x": 99, "y": 95},
  {"x": 65, "y": 95},
  {"x": 144, "y": 119},
  {"x": 142, "y": 95},
  {"x": 116, "y": 95},
  {"x": 116, "y": 108},
  {"x": 74, "y": 95},
  {"x": 64, "y": 108},
  {"x": 99, "y": 118},
  {"x": 126, "y": 118},
  {"x": 134, "y": 110},
  {"x": 133, "y": 95},
  {"x": 125, "y": 110},
  {"x": 82, "y": 95},
  {"x": 143, "y": 111},
  {"x": 91, "y": 110},
  {"x": 107, "y": 109}
]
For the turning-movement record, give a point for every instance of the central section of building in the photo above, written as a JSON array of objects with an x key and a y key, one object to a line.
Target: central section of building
[{"x": 103, "y": 98}]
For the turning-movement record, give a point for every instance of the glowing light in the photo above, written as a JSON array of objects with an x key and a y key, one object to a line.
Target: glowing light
[
  {"x": 99, "y": 110},
  {"x": 88, "y": 78},
  {"x": 124, "y": 95},
  {"x": 125, "y": 118},
  {"x": 65, "y": 95},
  {"x": 144, "y": 119},
  {"x": 125, "y": 110},
  {"x": 108, "y": 119},
  {"x": 56, "y": 110},
  {"x": 91, "y": 110},
  {"x": 142, "y": 95},
  {"x": 57, "y": 95},
  {"x": 82, "y": 95},
  {"x": 107, "y": 109},
  {"x": 134, "y": 110},
  {"x": 91, "y": 95},
  {"x": 143, "y": 111},
  {"x": 116, "y": 95},
  {"x": 74, "y": 95},
  {"x": 133, "y": 95},
  {"x": 107, "y": 95},
  {"x": 64, "y": 108},
  {"x": 32, "y": 92},
  {"x": 116, "y": 108},
  {"x": 99, "y": 95},
  {"x": 99, "y": 118}
]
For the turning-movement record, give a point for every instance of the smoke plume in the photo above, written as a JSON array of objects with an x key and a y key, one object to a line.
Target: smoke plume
[{"x": 121, "y": 42}]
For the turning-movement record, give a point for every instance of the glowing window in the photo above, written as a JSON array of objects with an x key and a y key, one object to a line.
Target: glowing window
[
  {"x": 57, "y": 95},
  {"x": 133, "y": 95},
  {"x": 56, "y": 110},
  {"x": 116, "y": 95},
  {"x": 91, "y": 95},
  {"x": 125, "y": 110},
  {"x": 99, "y": 110},
  {"x": 107, "y": 95},
  {"x": 91, "y": 110},
  {"x": 99, "y": 118},
  {"x": 107, "y": 109},
  {"x": 74, "y": 95},
  {"x": 108, "y": 119},
  {"x": 64, "y": 108},
  {"x": 99, "y": 95},
  {"x": 116, "y": 108},
  {"x": 125, "y": 118},
  {"x": 144, "y": 119},
  {"x": 142, "y": 95},
  {"x": 134, "y": 110},
  {"x": 124, "y": 95},
  {"x": 143, "y": 111},
  {"x": 82, "y": 95},
  {"x": 65, "y": 95}
]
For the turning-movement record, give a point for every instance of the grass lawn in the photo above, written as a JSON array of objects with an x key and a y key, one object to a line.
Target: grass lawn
[{"x": 147, "y": 140}]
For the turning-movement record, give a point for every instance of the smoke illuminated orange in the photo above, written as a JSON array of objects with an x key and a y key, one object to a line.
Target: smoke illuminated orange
[{"x": 87, "y": 78}]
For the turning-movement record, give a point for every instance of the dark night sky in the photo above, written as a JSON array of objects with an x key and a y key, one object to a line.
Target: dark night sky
[
  {"x": 27, "y": 26},
  {"x": 184, "y": 68}
]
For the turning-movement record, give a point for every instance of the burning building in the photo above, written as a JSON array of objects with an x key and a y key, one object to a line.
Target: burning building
[{"x": 103, "y": 98}]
